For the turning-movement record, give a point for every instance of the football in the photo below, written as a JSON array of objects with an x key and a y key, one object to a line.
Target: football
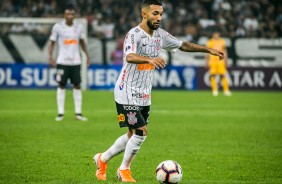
[{"x": 169, "y": 171}]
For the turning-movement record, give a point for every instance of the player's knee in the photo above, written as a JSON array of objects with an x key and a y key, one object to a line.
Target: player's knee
[
  {"x": 62, "y": 86},
  {"x": 129, "y": 133},
  {"x": 76, "y": 86},
  {"x": 142, "y": 131}
]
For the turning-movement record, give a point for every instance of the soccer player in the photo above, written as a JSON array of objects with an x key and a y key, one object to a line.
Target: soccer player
[
  {"x": 70, "y": 35},
  {"x": 132, "y": 92},
  {"x": 216, "y": 66}
]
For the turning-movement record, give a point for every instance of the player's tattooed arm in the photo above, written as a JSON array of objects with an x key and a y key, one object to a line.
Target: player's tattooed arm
[{"x": 191, "y": 47}]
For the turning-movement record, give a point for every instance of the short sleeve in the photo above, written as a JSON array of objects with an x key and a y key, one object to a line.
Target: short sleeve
[
  {"x": 130, "y": 44},
  {"x": 54, "y": 33},
  {"x": 81, "y": 32},
  {"x": 170, "y": 42}
]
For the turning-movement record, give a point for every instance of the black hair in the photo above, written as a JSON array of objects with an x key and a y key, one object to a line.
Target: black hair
[
  {"x": 70, "y": 7},
  {"x": 151, "y": 2}
]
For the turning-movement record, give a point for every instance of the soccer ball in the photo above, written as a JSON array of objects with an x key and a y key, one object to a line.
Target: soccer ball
[{"x": 169, "y": 171}]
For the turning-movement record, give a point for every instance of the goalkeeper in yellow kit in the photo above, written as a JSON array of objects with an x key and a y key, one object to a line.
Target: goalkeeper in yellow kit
[{"x": 216, "y": 66}]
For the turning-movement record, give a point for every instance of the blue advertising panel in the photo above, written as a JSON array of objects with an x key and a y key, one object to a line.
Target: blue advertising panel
[
  {"x": 175, "y": 77},
  {"x": 39, "y": 76},
  {"x": 103, "y": 77},
  {"x": 27, "y": 76}
]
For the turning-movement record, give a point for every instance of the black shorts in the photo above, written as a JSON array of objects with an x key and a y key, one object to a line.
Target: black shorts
[
  {"x": 132, "y": 116},
  {"x": 65, "y": 72}
]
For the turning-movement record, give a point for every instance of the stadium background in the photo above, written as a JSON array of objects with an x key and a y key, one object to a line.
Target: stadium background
[
  {"x": 215, "y": 139},
  {"x": 252, "y": 30}
]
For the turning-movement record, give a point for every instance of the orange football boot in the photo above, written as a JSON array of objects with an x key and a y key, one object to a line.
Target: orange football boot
[
  {"x": 125, "y": 176},
  {"x": 101, "y": 167}
]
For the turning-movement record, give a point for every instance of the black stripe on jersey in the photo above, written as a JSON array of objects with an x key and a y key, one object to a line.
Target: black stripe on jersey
[
  {"x": 126, "y": 83},
  {"x": 132, "y": 82},
  {"x": 138, "y": 77},
  {"x": 146, "y": 85},
  {"x": 141, "y": 92}
]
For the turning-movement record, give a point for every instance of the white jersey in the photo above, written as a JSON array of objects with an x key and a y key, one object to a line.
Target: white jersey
[
  {"x": 134, "y": 84},
  {"x": 68, "y": 41}
]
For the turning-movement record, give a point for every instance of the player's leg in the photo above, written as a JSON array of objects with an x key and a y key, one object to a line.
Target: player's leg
[
  {"x": 213, "y": 82},
  {"x": 224, "y": 81},
  {"x": 225, "y": 86},
  {"x": 77, "y": 93},
  {"x": 134, "y": 143},
  {"x": 101, "y": 159},
  {"x": 118, "y": 147},
  {"x": 61, "y": 77},
  {"x": 131, "y": 150}
]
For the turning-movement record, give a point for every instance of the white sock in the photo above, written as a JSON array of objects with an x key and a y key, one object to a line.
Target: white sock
[
  {"x": 61, "y": 94},
  {"x": 131, "y": 150},
  {"x": 77, "y": 97},
  {"x": 116, "y": 148}
]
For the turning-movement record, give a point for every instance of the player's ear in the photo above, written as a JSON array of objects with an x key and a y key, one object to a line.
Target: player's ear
[{"x": 144, "y": 14}]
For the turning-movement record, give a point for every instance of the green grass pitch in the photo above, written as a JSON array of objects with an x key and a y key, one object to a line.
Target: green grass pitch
[{"x": 220, "y": 139}]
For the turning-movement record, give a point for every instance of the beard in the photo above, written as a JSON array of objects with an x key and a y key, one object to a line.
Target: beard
[{"x": 152, "y": 26}]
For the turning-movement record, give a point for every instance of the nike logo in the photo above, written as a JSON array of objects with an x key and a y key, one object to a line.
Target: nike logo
[{"x": 144, "y": 44}]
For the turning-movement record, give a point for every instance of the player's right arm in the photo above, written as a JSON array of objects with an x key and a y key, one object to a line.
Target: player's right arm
[
  {"x": 50, "y": 52},
  {"x": 130, "y": 52},
  {"x": 137, "y": 59},
  {"x": 53, "y": 39}
]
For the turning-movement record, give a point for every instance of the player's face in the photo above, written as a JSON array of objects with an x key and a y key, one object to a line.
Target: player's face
[
  {"x": 216, "y": 35},
  {"x": 154, "y": 16},
  {"x": 69, "y": 15}
]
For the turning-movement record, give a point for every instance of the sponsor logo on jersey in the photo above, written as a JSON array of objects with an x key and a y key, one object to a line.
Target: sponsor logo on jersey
[
  {"x": 140, "y": 95},
  {"x": 121, "y": 86},
  {"x": 122, "y": 80},
  {"x": 127, "y": 48},
  {"x": 121, "y": 118},
  {"x": 132, "y": 38},
  {"x": 131, "y": 108},
  {"x": 144, "y": 67},
  {"x": 131, "y": 118},
  {"x": 70, "y": 42}
]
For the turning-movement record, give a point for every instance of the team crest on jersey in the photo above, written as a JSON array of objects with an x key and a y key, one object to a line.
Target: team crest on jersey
[
  {"x": 131, "y": 118},
  {"x": 157, "y": 44},
  {"x": 121, "y": 118}
]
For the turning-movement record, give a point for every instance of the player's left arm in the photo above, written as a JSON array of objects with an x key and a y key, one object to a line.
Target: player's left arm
[
  {"x": 191, "y": 47},
  {"x": 84, "y": 48},
  {"x": 226, "y": 56},
  {"x": 224, "y": 49}
]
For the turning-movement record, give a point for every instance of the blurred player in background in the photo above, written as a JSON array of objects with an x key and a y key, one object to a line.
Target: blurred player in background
[
  {"x": 216, "y": 66},
  {"x": 141, "y": 49},
  {"x": 70, "y": 35},
  {"x": 117, "y": 54}
]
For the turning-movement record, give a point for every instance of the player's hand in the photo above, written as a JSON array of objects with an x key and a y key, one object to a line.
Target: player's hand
[
  {"x": 157, "y": 62},
  {"x": 52, "y": 62},
  {"x": 88, "y": 62},
  {"x": 217, "y": 53}
]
